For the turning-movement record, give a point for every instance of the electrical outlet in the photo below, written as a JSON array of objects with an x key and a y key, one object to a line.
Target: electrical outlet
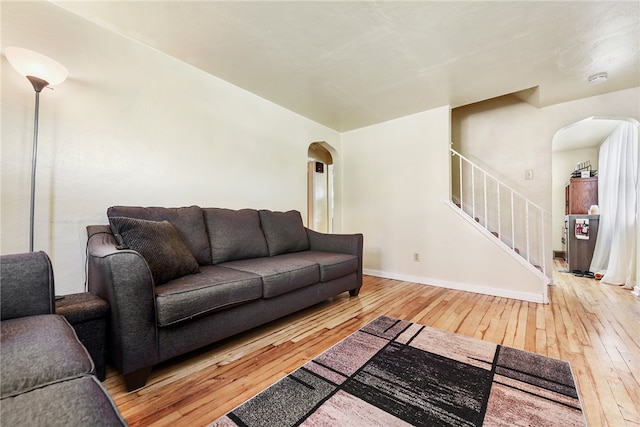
[
  {"x": 416, "y": 257},
  {"x": 528, "y": 174}
]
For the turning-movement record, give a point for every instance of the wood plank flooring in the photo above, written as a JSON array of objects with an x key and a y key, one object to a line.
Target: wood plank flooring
[{"x": 594, "y": 326}]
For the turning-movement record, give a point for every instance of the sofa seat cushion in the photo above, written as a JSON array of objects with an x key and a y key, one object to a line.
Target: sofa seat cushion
[
  {"x": 213, "y": 288},
  {"x": 81, "y": 401},
  {"x": 189, "y": 222},
  {"x": 234, "y": 234},
  {"x": 333, "y": 265},
  {"x": 39, "y": 350},
  {"x": 280, "y": 274}
]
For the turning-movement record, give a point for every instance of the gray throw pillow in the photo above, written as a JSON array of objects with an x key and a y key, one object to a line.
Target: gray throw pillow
[
  {"x": 187, "y": 220},
  {"x": 159, "y": 244},
  {"x": 284, "y": 232}
]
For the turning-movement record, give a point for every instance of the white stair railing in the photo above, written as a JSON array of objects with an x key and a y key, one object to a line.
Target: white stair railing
[{"x": 516, "y": 221}]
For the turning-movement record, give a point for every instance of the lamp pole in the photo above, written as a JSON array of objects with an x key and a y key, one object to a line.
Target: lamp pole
[
  {"x": 30, "y": 64},
  {"x": 38, "y": 85}
]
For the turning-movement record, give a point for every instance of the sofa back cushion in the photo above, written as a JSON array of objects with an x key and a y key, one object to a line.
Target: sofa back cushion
[
  {"x": 234, "y": 234},
  {"x": 284, "y": 231},
  {"x": 187, "y": 220},
  {"x": 159, "y": 244}
]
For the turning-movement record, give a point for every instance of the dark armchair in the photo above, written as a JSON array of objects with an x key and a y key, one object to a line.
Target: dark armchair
[{"x": 46, "y": 374}]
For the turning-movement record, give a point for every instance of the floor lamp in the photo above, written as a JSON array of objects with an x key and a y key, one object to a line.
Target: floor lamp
[{"x": 41, "y": 71}]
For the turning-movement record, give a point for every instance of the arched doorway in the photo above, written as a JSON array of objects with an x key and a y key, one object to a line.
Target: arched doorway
[
  {"x": 577, "y": 148},
  {"x": 319, "y": 188}
]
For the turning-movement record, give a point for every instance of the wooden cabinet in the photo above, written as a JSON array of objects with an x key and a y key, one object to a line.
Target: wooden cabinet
[{"x": 580, "y": 194}]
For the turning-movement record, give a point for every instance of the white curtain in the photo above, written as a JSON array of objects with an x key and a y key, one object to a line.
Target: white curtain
[{"x": 616, "y": 244}]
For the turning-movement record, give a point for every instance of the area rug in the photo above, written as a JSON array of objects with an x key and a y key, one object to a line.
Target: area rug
[{"x": 396, "y": 373}]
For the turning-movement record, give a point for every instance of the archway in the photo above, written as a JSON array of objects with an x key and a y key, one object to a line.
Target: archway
[
  {"x": 576, "y": 154},
  {"x": 320, "y": 187}
]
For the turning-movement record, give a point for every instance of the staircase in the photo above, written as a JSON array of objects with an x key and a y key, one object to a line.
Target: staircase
[{"x": 517, "y": 224}]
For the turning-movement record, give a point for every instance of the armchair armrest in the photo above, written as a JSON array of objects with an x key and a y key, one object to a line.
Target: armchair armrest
[
  {"x": 123, "y": 279},
  {"x": 26, "y": 285}
]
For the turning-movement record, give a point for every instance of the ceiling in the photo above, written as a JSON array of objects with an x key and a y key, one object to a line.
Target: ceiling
[{"x": 349, "y": 64}]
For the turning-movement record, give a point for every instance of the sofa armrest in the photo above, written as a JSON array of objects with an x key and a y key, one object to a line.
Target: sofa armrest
[
  {"x": 123, "y": 279},
  {"x": 342, "y": 243},
  {"x": 26, "y": 285}
]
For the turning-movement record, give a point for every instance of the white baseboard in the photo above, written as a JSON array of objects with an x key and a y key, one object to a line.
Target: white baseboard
[
  {"x": 636, "y": 291},
  {"x": 476, "y": 288}
]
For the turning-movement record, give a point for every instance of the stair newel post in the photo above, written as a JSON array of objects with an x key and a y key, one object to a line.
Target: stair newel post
[
  {"x": 513, "y": 224},
  {"x": 460, "y": 172},
  {"x": 499, "y": 210},
  {"x": 542, "y": 253},
  {"x": 526, "y": 218}
]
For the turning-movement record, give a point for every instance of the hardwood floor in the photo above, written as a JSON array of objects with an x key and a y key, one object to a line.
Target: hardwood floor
[{"x": 594, "y": 326}]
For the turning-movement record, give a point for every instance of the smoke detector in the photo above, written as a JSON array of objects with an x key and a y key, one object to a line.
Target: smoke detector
[{"x": 597, "y": 78}]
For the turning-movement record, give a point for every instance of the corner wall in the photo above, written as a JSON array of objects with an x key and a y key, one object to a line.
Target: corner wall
[{"x": 396, "y": 192}]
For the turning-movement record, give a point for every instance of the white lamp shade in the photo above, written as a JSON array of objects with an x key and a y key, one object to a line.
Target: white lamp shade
[{"x": 30, "y": 63}]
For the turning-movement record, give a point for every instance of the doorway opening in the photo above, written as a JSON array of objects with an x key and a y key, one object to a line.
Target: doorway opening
[
  {"x": 320, "y": 188},
  {"x": 587, "y": 187}
]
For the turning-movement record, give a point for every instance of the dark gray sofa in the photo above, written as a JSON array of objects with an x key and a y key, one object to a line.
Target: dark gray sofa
[
  {"x": 46, "y": 375},
  {"x": 178, "y": 279}
]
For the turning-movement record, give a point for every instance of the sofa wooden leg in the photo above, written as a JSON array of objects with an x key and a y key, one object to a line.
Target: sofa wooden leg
[
  {"x": 354, "y": 292},
  {"x": 137, "y": 379}
]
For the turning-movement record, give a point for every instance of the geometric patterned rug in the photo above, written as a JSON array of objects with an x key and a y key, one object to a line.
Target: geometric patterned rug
[{"x": 396, "y": 373}]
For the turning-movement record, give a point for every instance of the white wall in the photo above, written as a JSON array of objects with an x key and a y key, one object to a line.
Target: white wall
[
  {"x": 396, "y": 189},
  {"x": 133, "y": 126}
]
